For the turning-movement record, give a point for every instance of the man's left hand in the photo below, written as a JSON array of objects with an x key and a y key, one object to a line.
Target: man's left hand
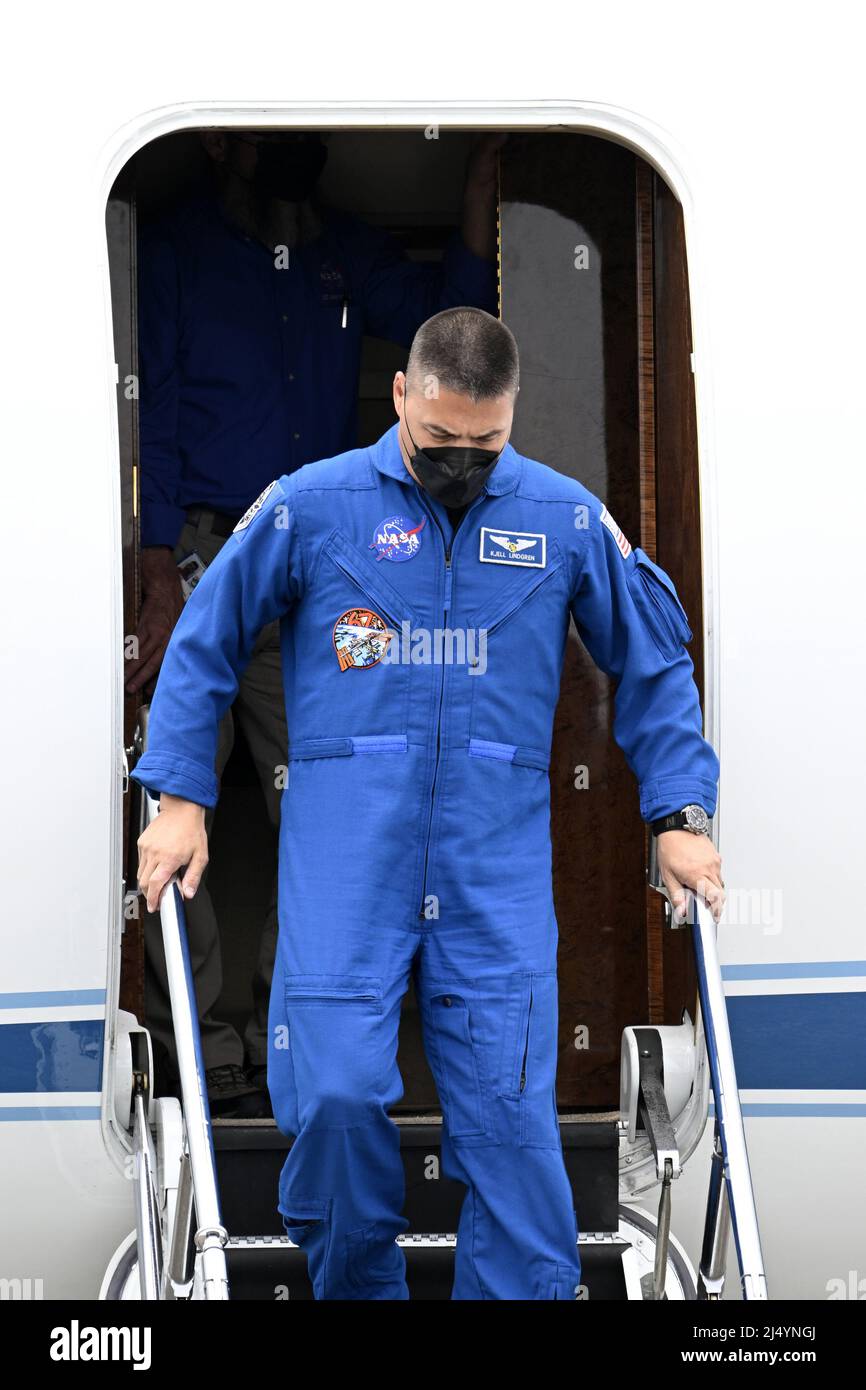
[
  {"x": 691, "y": 861},
  {"x": 483, "y": 164},
  {"x": 479, "y": 195}
]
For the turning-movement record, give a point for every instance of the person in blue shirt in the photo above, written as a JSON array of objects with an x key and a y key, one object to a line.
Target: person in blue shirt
[
  {"x": 424, "y": 588},
  {"x": 253, "y": 303}
]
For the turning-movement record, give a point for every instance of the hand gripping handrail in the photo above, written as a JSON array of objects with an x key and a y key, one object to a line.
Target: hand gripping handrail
[
  {"x": 211, "y": 1236},
  {"x": 731, "y": 1174}
]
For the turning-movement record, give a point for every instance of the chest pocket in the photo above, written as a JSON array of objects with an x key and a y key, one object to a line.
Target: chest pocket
[
  {"x": 334, "y": 313},
  {"x": 354, "y": 566},
  {"x": 362, "y": 690},
  {"x": 332, "y": 287},
  {"x": 515, "y": 679}
]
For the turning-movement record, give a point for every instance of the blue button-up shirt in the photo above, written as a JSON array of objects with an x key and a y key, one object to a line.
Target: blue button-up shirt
[{"x": 249, "y": 369}]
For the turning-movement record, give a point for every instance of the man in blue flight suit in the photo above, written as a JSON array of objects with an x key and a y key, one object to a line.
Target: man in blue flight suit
[
  {"x": 424, "y": 588},
  {"x": 253, "y": 302}
]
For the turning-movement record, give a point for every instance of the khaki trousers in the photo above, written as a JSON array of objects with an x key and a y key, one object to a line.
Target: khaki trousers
[{"x": 259, "y": 709}]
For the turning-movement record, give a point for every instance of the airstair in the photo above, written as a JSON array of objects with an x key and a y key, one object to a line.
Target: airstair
[{"x": 207, "y": 1225}]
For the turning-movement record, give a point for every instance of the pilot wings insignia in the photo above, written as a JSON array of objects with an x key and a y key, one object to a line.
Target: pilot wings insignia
[{"x": 513, "y": 546}]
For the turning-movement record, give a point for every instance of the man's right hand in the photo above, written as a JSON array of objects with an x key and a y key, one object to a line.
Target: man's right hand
[
  {"x": 160, "y": 610},
  {"x": 174, "y": 838}
]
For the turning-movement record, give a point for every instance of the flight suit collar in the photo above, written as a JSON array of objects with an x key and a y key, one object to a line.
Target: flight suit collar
[{"x": 388, "y": 459}]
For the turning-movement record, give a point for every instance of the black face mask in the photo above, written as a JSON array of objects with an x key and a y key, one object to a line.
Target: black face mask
[
  {"x": 288, "y": 169},
  {"x": 453, "y": 475}
]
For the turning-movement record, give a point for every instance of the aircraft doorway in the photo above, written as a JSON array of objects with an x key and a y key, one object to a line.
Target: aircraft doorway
[{"x": 592, "y": 280}]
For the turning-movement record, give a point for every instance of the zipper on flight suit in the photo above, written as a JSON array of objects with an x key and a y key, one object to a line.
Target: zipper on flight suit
[
  {"x": 526, "y": 1045},
  {"x": 446, "y": 606}
]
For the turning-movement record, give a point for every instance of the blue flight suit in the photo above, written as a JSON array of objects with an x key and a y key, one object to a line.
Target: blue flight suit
[{"x": 415, "y": 828}]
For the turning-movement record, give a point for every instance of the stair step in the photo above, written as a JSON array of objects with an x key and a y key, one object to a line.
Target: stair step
[
  {"x": 272, "y": 1268},
  {"x": 250, "y": 1155}
]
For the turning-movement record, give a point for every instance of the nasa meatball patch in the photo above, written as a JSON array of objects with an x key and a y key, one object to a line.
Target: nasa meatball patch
[
  {"x": 254, "y": 508},
  {"x": 525, "y": 548},
  {"x": 398, "y": 539},
  {"x": 608, "y": 521}
]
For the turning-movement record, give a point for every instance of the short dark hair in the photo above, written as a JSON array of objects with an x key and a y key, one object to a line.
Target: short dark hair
[{"x": 465, "y": 350}]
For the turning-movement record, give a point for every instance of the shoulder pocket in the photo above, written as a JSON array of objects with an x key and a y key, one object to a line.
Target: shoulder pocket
[{"x": 656, "y": 598}]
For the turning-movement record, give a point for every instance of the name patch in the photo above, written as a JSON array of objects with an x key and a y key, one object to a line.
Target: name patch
[{"x": 527, "y": 548}]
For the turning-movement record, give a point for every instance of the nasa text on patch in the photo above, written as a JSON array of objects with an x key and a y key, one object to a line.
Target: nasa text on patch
[
  {"x": 527, "y": 548},
  {"x": 397, "y": 538}
]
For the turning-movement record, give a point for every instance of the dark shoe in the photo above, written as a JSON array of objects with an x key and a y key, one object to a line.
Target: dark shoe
[
  {"x": 231, "y": 1096},
  {"x": 258, "y": 1077}
]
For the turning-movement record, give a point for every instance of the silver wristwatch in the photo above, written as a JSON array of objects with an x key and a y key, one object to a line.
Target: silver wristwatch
[{"x": 692, "y": 818}]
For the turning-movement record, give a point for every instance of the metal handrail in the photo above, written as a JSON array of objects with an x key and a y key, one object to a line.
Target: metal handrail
[
  {"x": 147, "y": 1229},
  {"x": 731, "y": 1152},
  {"x": 729, "y": 1116},
  {"x": 211, "y": 1236}
]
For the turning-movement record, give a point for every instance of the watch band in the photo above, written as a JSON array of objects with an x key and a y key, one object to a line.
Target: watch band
[{"x": 697, "y": 823}]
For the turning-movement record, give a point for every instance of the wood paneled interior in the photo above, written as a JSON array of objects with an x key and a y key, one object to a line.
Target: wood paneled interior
[
  {"x": 595, "y": 342},
  {"x": 579, "y": 412},
  {"x": 678, "y": 527},
  {"x": 644, "y": 252}
]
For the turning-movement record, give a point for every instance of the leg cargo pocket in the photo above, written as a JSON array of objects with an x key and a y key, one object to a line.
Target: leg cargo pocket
[
  {"x": 463, "y": 1100},
  {"x": 563, "y": 1283},
  {"x": 539, "y": 1122},
  {"x": 374, "y": 1261},
  {"x": 300, "y": 1214}
]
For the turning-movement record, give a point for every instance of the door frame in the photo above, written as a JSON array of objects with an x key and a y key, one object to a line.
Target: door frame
[{"x": 636, "y": 132}]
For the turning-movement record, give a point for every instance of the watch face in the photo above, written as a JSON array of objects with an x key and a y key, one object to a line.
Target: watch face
[{"x": 696, "y": 819}]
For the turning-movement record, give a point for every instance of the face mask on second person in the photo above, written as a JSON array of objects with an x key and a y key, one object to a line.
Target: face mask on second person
[{"x": 288, "y": 169}]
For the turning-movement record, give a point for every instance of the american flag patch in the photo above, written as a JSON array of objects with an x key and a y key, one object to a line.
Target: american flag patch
[{"x": 608, "y": 521}]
